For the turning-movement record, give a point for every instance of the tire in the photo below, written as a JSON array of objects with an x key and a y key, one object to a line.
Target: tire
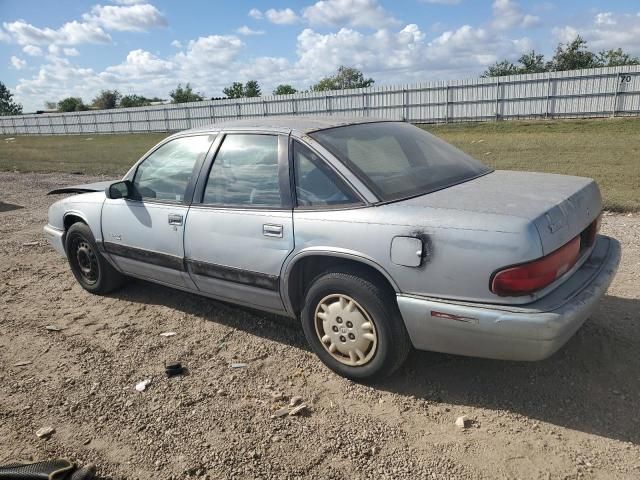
[
  {"x": 92, "y": 271},
  {"x": 360, "y": 351}
]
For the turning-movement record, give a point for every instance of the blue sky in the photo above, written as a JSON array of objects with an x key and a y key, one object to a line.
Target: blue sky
[{"x": 53, "y": 49}]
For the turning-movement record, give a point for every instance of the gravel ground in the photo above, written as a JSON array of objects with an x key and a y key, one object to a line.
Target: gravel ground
[{"x": 574, "y": 415}]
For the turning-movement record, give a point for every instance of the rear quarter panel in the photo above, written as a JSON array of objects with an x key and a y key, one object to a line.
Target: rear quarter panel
[{"x": 461, "y": 251}]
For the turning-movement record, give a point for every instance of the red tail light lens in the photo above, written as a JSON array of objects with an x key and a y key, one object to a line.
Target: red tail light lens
[{"x": 530, "y": 277}]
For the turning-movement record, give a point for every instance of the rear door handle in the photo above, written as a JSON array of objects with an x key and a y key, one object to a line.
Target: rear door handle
[
  {"x": 269, "y": 230},
  {"x": 175, "y": 219}
]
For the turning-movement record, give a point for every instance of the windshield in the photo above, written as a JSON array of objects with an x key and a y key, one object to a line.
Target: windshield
[{"x": 397, "y": 160}]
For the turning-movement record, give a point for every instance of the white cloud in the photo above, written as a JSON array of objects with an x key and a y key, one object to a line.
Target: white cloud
[
  {"x": 71, "y": 52},
  {"x": 285, "y": 16},
  {"x": 507, "y": 14},
  {"x": 216, "y": 50},
  {"x": 353, "y": 13},
  {"x": 131, "y": 18},
  {"x": 71, "y": 33},
  {"x": 18, "y": 63},
  {"x": 255, "y": 13},
  {"x": 32, "y": 50},
  {"x": 606, "y": 31},
  {"x": 176, "y": 44},
  {"x": 244, "y": 30},
  {"x": 129, "y": 2},
  {"x": 605, "y": 18},
  {"x": 139, "y": 64}
]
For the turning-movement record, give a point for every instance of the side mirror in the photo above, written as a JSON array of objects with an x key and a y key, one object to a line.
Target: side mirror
[{"x": 122, "y": 189}]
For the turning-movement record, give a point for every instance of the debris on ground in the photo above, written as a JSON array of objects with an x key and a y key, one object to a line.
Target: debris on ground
[
  {"x": 239, "y": 365},
  {"x": 173, "y": 368},
  {"x": 168, "y": 334},
  {"x": 142, "y": 386},
  {"x": 295, "y": 400},
  {"x": 45, "y": 432},
  {"x": 22, "y": 364},
  {"x": 281, "y": 412},
  {"x": 296, "y": 410},
  {"x": 31, "y": 244},
  {"x": 462, "y": 422},
  {"x": 54, "y": 328}
]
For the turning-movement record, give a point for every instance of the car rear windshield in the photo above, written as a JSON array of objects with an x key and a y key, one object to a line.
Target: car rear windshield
[{"x": 397, "y": 160}]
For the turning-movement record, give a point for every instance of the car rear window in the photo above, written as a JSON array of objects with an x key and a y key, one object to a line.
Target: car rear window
[{"x": 397, "y": 160}]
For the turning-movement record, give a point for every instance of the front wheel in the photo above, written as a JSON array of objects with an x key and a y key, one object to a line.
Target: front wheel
[
  {"x": 354, "y": 326},
  {"x": 90, "y": 268}
]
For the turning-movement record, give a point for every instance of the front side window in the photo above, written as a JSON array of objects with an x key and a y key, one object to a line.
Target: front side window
[
  {"x": 397, "y": 160},
  {"x": 166, "y": 173},
  {"x": 316, "y": 184},
  {"x": 245, "y": 172}
]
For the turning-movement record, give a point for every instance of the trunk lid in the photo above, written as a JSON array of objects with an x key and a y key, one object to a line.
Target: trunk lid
[{"x": 560, "y": 206}]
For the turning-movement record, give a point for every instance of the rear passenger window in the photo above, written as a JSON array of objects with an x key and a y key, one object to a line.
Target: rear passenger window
[
  {"x": 316, "y": 184},
  {"x": 245, "y": 172}
]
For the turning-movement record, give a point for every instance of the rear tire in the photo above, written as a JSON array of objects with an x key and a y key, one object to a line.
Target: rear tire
[
  {"x": 92, "y": 271},
  {"x": 354, "y": 326}
]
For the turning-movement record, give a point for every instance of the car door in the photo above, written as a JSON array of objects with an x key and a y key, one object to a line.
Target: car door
[
  {"x": 144, "y": 234},
  {"x": 239, "y": 229}
]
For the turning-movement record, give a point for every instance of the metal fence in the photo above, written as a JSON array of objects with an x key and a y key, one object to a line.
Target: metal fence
[{"x": 597, "y": 92}]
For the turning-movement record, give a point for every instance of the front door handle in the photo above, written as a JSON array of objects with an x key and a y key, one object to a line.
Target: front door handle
[
  {"x": 175, "y": 219},
  {"x": 270, "y": 230}
]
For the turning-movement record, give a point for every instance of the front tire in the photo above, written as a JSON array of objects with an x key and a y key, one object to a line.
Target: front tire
[
  {"x": 354, "y": 326},
  {"x": 91, "y": 269}
]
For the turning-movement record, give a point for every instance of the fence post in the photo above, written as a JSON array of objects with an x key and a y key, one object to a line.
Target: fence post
[
  {"x": 365, "y": 105},
  {"x": 166, "y": 119},
  {"x": 446, "y": 103},
  {"x": 547, "y": 109},
  {"x": 13, "y": 122},
  {"x": 187, "y": 111},
  {"x": 148, "y": 120},
  {"x": 614, "y": 107},
  {"x": 212, "y": 113},
  {"x": 64, "y": 124},
  {"x": 327, "y": 103},
  {"x": 264, "y": 108},
  {"x": 294, "y": 106},
  {"x": 129, "y": 121},
  {"x": 239, "y": 109},
  {"x": 95, "y": 122},
  {"x": 497, "y": 98}
]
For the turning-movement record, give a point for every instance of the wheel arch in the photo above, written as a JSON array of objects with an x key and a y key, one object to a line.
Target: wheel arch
[{"x": 306, "y": 265}]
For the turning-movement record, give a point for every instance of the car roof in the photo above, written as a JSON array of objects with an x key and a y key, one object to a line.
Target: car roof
[{"x": 286, "y": 123}]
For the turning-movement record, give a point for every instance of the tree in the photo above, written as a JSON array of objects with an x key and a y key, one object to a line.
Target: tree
[
  {"x": 51, "y": 105},
  {"x": 71, "y": 104},
  {"x": 185, "y": 95},
  {"x": 107, "y": 99},
  {"x": 284, "y": 90},
  {"x": 347, "y": 77},
  {"x": 616, "y": 58},
  {"x": 252, "y": 89},
  {"x": 532, "y": 62},
  {"x": 235, "y": 90},
  {"x": 134, "y": 100},
  {"x": 7, "y": 105},
  {"x": 500, "y": 69},
  {"x": 572, "y": 56}
]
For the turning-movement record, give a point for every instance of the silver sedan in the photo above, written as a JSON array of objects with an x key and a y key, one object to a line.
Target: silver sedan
[{"x": 377, "y": 235}]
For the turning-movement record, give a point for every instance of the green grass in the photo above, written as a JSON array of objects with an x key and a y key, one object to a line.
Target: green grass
[
  {"x": 607, "y": 150},
  {"x": 88, "y": 154}
]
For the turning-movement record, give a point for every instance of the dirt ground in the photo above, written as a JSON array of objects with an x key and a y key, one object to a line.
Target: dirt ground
[{"x": 574, "y": 415}]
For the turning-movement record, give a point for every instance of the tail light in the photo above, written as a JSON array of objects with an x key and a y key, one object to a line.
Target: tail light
[{"x": 532, "y": 276}]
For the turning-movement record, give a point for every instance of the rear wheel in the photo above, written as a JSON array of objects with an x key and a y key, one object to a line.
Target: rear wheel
[
  {"x": 90, "y": 268},
  {"x": 354, "y": 326}
]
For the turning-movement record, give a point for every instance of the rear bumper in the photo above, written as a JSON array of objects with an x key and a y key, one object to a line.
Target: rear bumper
[
  {"x": 529, "y": 332},
  {"x": 55, "y": 238}
]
